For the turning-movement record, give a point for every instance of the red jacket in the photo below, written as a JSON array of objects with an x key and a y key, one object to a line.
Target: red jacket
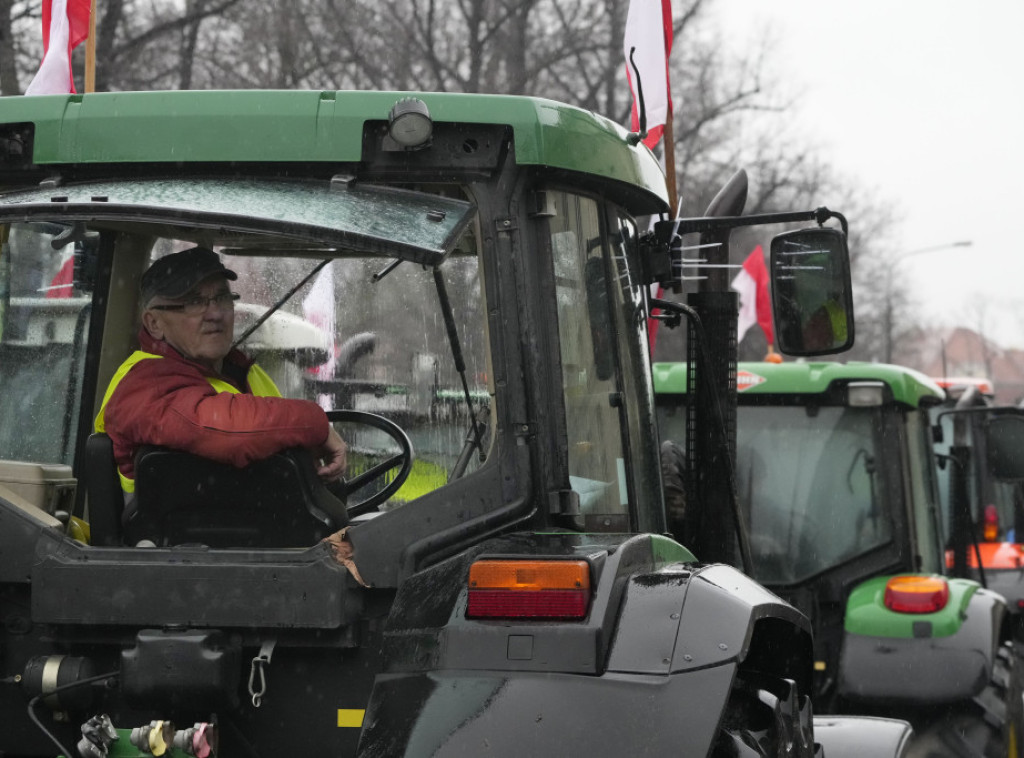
[{"x": 170, "y": 401}]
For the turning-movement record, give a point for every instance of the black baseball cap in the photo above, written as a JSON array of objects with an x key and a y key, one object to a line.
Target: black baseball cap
[{"x": 175, "y": 275}]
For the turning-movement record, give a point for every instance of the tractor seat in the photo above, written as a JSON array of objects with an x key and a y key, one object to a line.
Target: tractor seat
[
  {"x": 182, "y": 498},
  {"x": 103, "y": 490}
]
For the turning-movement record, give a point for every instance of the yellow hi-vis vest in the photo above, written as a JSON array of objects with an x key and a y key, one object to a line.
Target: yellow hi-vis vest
[
  {"x": 837, "y": 318},
  {"x": 259, "y": 382}
]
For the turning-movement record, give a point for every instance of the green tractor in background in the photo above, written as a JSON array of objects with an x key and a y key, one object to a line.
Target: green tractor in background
[
  {"x": 836, "y": 479},
  {"x": 982, "y": 480}
]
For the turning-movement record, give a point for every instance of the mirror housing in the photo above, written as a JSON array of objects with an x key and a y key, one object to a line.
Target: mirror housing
[
  {"x": 1005, "y": 442},
  {"x": 812, "y": 298}
]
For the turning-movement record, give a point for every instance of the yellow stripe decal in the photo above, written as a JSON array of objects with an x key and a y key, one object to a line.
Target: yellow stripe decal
[{"x": 350, "y": 717}]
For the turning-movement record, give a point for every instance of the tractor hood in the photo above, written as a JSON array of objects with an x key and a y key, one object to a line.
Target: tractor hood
[{"x": 906, "y": 385}]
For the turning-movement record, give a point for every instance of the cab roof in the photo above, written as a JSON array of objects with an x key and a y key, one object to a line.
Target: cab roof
[
  {"x": 907, "y": 385},
  {"x": 267, "y": 126}
]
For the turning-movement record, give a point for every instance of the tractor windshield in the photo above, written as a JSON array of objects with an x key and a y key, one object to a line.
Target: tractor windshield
[
  {"x": 339, "y": 303},
  {"x": 809, "y": 479}
]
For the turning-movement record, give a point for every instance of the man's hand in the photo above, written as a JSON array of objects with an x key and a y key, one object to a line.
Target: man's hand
[{"x": 333, "y": 457}]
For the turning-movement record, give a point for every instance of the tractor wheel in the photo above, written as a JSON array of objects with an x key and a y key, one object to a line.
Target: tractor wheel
[
  {"x": 766, "y": 716},
  {"x": 989, "y": 726},
  {"x": 673, "y": 475}
]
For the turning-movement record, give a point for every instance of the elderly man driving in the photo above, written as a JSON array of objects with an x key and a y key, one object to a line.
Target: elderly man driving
[{"x": 186, "y": 388}]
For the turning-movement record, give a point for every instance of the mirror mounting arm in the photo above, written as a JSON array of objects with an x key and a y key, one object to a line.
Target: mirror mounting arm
[
  {"x": 661, "y": 249},
  {"x": 716, "y": 223}
]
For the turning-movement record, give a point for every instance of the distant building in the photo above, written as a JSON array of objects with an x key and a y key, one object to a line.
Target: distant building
[{"x": 965, "y": 353}]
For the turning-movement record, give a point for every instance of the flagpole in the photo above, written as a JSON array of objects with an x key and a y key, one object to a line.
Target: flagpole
[{"x": 90, "y": 50}]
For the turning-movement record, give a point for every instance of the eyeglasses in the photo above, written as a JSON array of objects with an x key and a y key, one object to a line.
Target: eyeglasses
[{"x": 197, "y": 305}]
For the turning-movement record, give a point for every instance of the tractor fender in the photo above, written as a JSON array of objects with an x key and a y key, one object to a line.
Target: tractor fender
[
  {"x": 651, "y": 612},
  {"x": 857, "y": 736},
  {"x": 514, "y": 714},
  {"x": 925, "y": 670},
  {"x": 1009, "y": 584},
  {"x": 673, "y": 656},
  {"x": 721, "y": 616}
]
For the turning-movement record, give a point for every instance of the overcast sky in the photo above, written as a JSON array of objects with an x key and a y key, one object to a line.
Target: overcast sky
[{"x": 923, "y": 102}]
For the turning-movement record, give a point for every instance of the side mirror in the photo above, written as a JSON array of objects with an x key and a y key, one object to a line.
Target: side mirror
[
  {"x": 812, "y": 299},
  {"x": 1005, "y": 438}
]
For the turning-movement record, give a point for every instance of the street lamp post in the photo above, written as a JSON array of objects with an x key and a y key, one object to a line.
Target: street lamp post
[{"x": 890, "y": 266}]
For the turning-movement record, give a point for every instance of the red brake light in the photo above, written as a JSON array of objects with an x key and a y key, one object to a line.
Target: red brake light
[
  {"x": 991, "y": 528},
  {"x": 916, "y": 594},
  {"x": 529, "y": 589}
]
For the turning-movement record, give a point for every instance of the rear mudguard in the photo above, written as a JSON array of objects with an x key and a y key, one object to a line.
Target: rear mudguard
[
  {"x": 462, "y": 713},
  {"x": 858, "y": 736},
  {"x": 1010, "y": 584},
  {"x": 926, "y": 669},
  {"x": 650, "y": 669}
]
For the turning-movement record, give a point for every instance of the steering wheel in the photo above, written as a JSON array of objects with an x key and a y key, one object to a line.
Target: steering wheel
[{"x": 345, "y": 487}]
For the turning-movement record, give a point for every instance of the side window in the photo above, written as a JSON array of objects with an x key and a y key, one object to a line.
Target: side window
[
  {"x": 587, "y": 342},
  {"x": 46, "y": 273}
]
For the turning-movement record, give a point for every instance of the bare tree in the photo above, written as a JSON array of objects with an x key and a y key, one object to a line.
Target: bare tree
[
  {"x": 729, "y": 113},
  {"x": 18, "y": 20},
  {"x": 140, "y": 45}
]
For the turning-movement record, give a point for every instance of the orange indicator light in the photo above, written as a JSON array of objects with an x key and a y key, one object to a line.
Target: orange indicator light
[
  {"x": 529, "y": 589},
  {"x": 916, "y": 594}
]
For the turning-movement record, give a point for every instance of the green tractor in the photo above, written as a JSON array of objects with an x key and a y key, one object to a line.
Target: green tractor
[
  {"x": 982, "y": 482},
  {"x": 512, "y": 590},
  {"x": 837, "y": 482}
]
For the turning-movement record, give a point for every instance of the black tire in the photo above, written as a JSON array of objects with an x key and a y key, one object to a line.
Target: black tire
[
  {"x": 989, "y": 726},
  {"x": 766, "y": 717},
  {"x": 673, "y": 477}
]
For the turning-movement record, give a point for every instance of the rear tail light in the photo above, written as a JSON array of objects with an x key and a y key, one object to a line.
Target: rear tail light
[
  {"x": 990, "y": 532},
  {"x": 529, "y": 589},
  {"x": 916, "y": 594}
]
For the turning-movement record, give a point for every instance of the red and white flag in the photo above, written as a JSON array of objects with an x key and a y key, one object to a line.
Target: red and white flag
[
  {"x": 649, "y": 37},
  {"x": 63, "y": 282},
  {"x": 65, "y": 26},
  {"x": 755, "y": 302}
]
